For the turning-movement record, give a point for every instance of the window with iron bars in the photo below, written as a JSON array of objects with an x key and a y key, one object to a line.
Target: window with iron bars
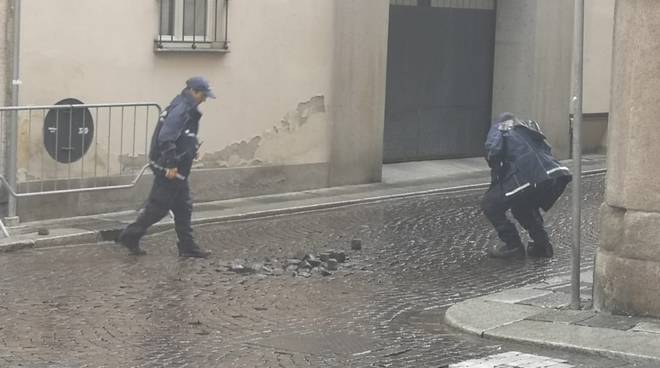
[
  {"x": 460, "y": 4},
  {"x": 193, "y": 25}
]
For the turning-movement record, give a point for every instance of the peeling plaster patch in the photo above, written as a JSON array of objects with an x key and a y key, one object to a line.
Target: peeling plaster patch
[
  {"x": 236, "y": 154},
  {"x": 298, "y": 118},
  {"x": 244, "y": 153}
]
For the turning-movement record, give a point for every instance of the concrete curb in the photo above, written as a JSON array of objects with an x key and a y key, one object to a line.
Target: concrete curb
[
  {"x": 85, "y": 237},
  {"x": 17, "y": 245},
  {"x": 508, "y": 322},
  {"x": 593, "y": 350},
  {"x": 60, "y": 238}
]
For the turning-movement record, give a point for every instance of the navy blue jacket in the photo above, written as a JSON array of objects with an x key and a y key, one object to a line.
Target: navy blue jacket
[
  {"x": 521, "y": 159},
  {"x": 174, "y": 143}
]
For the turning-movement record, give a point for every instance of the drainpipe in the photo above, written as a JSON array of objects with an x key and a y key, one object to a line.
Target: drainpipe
[
  {"x": 12, "y": 131},
  {"x": 577, "y": 151}
]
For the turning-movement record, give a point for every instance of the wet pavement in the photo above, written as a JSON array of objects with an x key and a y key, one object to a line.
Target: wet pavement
[{"x": 95, "y": 306}]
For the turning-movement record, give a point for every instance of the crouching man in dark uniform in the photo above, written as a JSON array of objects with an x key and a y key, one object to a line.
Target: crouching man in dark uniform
[
  {"x": 174, "y": 146},
  {"x": 525, "y": 178}
]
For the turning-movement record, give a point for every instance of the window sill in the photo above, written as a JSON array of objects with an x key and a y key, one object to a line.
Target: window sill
[{"x": 187, "y": 47}]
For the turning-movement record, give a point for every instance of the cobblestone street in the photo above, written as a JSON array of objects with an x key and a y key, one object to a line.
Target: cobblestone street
[{"x": 95, "y": 306}]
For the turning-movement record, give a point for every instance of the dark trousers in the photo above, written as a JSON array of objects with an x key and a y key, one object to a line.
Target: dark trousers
[
  {"x": 165, "y": 195},
  {"x": 525, "y": 208}
]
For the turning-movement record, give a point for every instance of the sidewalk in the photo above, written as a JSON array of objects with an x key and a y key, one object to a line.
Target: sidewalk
[
  {"x": 539, "y": 314},
  {"x": 399, "y": 180}
]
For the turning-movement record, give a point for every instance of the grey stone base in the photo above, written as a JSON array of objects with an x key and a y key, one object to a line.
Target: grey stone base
[
  {"x": 627, "y": 271},
  {"x": 626, "y": 286}
]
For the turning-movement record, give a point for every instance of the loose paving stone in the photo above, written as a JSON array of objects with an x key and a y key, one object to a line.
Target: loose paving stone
[
  {"x": 313, "y": 260},
  {"x": 239, "y": 266},
  {"x": 331, "y": 264},
  {"x": 293, "y": 261},
  {"x": 324, "y": 256},
  {"x": 340, "y": 257},
  {"x": 291, "y": 267}
]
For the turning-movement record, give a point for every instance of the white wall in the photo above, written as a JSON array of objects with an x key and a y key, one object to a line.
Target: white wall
[
  {"x": 533, "y": 66},
  {"x": 5, "y": 43},
  {"x": 598, "y": 29},
  {"x": 279, "y": 68},
  {"x": 532, "y": 72}
]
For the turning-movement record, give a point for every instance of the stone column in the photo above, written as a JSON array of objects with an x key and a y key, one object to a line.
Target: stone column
[
  {"x": 357, "y": 101},
  {"x": 627, "y": 272}
]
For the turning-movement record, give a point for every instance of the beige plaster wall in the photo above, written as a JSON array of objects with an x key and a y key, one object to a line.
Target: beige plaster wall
[
  {"x": 598, "y": 29},
  {"x": 273, "y": 87}
]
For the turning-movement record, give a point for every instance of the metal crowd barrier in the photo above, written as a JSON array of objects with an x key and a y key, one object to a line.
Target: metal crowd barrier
[{"x": 73, "y": 148}]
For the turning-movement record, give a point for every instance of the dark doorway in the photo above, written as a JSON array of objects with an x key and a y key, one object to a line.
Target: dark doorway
[{"x": 439, "y": 80}]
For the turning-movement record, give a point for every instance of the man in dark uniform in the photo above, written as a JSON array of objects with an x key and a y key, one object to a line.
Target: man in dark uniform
[
  {"x": 174, "y": 146},
  {"x": 525, "y": 178}
]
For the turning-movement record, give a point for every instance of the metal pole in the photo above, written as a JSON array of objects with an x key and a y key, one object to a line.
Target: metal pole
[
  {"x": 4, "y": 229},
  {"x": 577, "y": 151},
  {"x": 194, "y": 22},
  {"x": 226, "y": 45},
  {"x": 13, "y": 123}
]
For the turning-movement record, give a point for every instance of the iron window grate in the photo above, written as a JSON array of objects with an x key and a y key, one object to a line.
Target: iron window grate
[
  {"x": 193, "y": 25},
  {"x": 458, "y": 4}
]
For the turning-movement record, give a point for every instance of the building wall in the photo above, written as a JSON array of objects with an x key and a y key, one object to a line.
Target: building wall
[
  {"x": 274, "y": 92},
  {"x": 598, "y": 40},
  {"x": 598, "y": 29},
  {"x": 302, "y": 90},
  {"x": 532, "y": 74},
  {"x": 300, "y": 94},
  {"x": 533, "y": 66},
  {"x": 279, "y": 68},
  {"x": 6, "y": 35},
  {"x": 5, "y": 43}
]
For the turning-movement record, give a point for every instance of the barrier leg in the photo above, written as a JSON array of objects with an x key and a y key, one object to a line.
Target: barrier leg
[{"x": 4, "y": 229}]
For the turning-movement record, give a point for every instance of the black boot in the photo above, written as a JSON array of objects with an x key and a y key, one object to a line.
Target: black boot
[
  {"x": 540, "y": 245},
  {"x": 192, "y": 250},
  {"x": 131, "y": 244},
  {"x": 540, "y": 249},
  {"x": 504, "y": 250}
]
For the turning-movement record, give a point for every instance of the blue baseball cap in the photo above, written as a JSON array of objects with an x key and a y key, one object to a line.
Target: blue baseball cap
[{"x": 200, "y": 84}]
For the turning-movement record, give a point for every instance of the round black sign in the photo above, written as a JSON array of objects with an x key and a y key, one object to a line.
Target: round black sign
[{"x": 68, "y": 132}]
